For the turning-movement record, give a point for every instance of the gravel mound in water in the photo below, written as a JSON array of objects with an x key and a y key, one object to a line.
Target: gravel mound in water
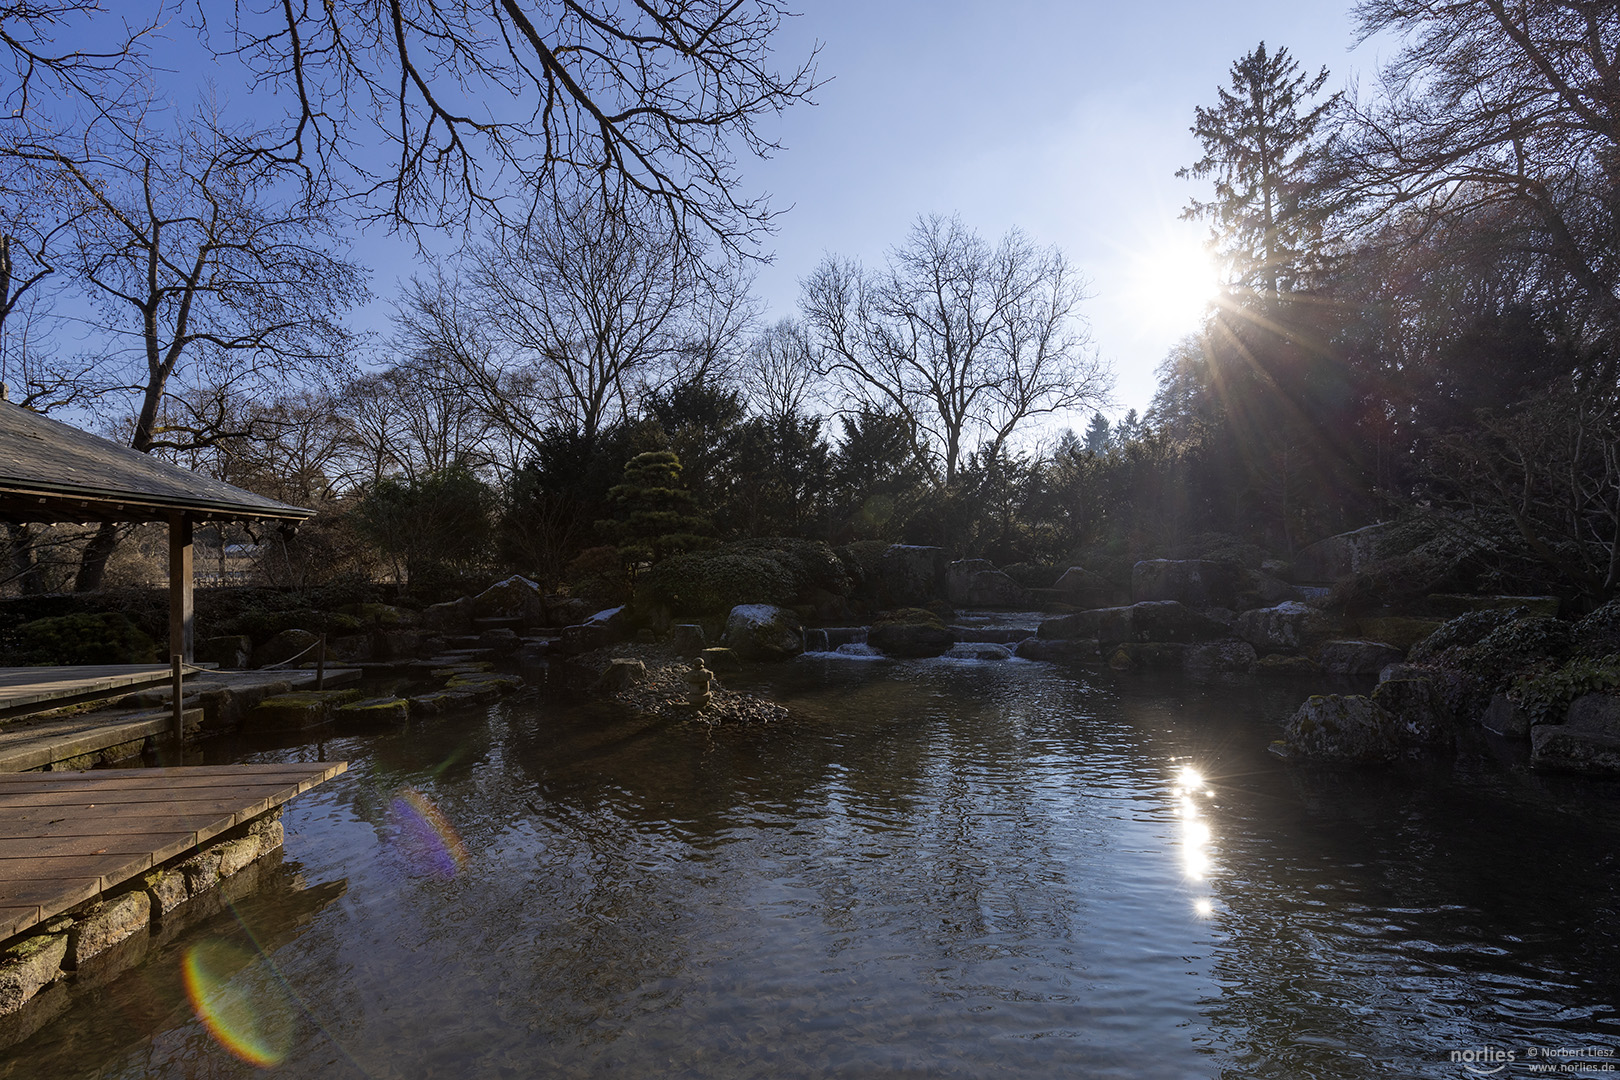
[{"x": 664, "y": 692}]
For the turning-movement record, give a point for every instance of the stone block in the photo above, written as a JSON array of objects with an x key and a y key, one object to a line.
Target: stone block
[
  {"x": 28, "y": 967},
  {"x": 166, "y": 888},
  {"x": 106, "y": 924},
  {"x": 1219, "y": 658},
  {"x": 1057, "y": 650},
  {"x": 1557, "y": 748},
  {"x": 380, "y": 710},
  {"x": 1355, "y": 657},
  {"x": 237, "y": 853},
  {"x": 1505, "y": 717},
  {"x": 687, "y": 639}
]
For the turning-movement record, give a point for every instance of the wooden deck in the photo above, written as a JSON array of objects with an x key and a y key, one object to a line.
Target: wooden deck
[
  {"x": 66, "y": 838},
  {"x": 38, "y": 688}
]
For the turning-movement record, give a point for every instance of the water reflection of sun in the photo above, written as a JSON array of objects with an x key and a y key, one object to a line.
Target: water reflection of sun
[{"x": 1197, "y": 839}]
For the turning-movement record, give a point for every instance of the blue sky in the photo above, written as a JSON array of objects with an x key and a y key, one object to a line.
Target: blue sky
[{"x": 1068, "y": 120}]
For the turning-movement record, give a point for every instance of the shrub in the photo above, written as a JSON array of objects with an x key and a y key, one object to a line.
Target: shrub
[
  {"x": 718, "y": 580},
  {"x": 1466, "y": 629},
  {"x": 1546, "y": 696},
  {"x": 108, "y": 638},
  {"x": 1598, "y": 634},
  {"x": 863, "y": 561},
  {"x": 812, "y": 564}
]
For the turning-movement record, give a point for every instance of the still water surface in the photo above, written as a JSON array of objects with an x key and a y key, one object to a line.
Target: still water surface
[{"x": 937, "y": 868}]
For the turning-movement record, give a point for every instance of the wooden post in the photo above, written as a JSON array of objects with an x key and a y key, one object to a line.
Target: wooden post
[
  {"x": 320, "y": 663},
  {"x": 182, "y": 628},
  {"x": 175, "y": 663}
]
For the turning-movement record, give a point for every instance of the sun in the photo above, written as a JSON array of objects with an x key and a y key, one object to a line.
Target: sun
[{"x": 1173, "y": 280}]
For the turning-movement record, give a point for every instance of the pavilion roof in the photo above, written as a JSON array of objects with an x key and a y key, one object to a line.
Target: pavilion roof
[{"x": 53, "y": 472}]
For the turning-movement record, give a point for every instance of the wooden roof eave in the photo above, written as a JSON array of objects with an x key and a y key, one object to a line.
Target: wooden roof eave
[{"x": 41, "y": 504}]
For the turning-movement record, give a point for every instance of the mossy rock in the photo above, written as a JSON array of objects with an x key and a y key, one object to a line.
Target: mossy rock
[
  {"x": 443, "y": 701},
  {"x": 105, "y": 638},
  {"x": 501, "y": 682},
  {"x": 908, "y": 617},
  {"x": 297, "y": 711},
  {"x": 378, "y": 710},
  {"x": 470, "y": 667}
]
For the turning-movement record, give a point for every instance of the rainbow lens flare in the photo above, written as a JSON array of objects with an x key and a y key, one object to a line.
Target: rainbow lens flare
[
  {"x": 426, "y": 834},
  {"x": 249, "y": 1015}
]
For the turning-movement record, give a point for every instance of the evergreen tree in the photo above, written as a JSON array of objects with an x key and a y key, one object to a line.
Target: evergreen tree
[
  {"x": 1263, "y": 143},
  {"x": 654, "y": 516},
  {"x": 1098, "y": 434}
]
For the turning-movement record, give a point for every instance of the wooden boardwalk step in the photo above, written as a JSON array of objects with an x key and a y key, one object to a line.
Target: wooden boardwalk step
[{"x": 66, "y": 838}]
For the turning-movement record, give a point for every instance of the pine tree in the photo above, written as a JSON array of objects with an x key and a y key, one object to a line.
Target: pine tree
[
  {"x": 654, "y": 515},
  {"x": 1098, "y": 434},
  {"x": 1263, "y": 143}
]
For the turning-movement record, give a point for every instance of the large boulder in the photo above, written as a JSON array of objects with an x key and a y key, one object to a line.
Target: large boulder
[
  {"x": 515, "y": 598},
  {"x": 1288, "y": 626},
  {"x": 231, "y": 652},
  {"x": 1219, "y": 658},
  {"x": 1594, "y": 714},
  {"x": 910, "y": 633},
  {"x": 1194, "y": 582},
  {"x": 1588, "y": 741},
  {"x": 959, "y": 577},
  {"x": 1081, "y": 624},
  {"x": 1156, "y": 620},
  {"x": 1055, "y": 650},
  {"x": 452, "y": 617},
  {"x": 687, "y": 639},
  {"x": 912, "y": 575},
  {"x": 978, "y": 650},
  {"x": 993, "y": 589},
  {"x": 763, "y": 632},
  {"x": 1354, "y": 657},
  {"x": 1505, "y": 717},
  {"x": 1082, "y": 588},
  {"x": 1338, "y": 556},
  {"x": 1421, "y": 709},
  {"x": 1333, "y": 727}
]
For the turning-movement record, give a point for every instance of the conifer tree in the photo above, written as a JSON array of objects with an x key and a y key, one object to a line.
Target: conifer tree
[
  {"x": 1263, "y": 143},
  {"x": 654, "y": 515}
]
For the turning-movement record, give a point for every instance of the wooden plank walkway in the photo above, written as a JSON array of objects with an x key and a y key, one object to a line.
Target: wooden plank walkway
[
  {"x": 48, "y": 687},
  {"x": 66, "y": 838},
  {"x": 36, "y": 745}
]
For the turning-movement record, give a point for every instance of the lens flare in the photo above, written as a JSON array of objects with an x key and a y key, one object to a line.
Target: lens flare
[
  {"x": 251, "y": 1017},
  {"x": 427, "y": 834}
]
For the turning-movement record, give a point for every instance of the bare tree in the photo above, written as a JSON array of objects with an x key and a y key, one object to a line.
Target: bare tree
[
  {"x": 963, "y": 339},
  {"x": 414, "y": 419},
  {"x": 643, "y": 102},
  {"x": 556, "y": 325},
  {"x": 1504, "y": 110},
  {"x": 199, "y": 273},
  {"x": 781, "y": 372}
]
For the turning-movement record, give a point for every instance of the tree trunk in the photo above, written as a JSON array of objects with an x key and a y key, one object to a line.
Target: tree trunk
[
  {"x": 93, "y": 563},
  {"x": 25, "y": 564}
]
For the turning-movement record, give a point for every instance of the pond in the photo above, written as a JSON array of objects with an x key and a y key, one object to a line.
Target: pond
[{"x": 936, "y": 868}]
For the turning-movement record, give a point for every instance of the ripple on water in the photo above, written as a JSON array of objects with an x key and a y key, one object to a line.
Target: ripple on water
[{"x": 933, "y": 869}]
